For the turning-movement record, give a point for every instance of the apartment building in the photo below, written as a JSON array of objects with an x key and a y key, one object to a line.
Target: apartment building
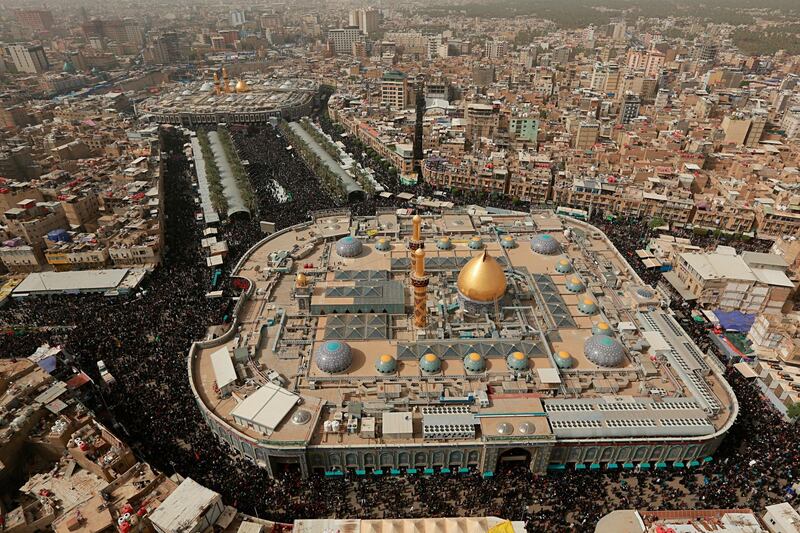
[{"x": 751, "y": 282}]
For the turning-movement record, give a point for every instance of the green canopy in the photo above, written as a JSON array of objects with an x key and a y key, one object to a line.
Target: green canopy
[
  {"x": 678, "y": 464},
  {"x": 428, "y": 471},
  {"x": 360, "y": 472},
  {"x": 445, "y": 470},
  {"x": 612, "y": 466},
  {"x": 335, "y": 473},
  {"x": 556, "y": 466},
  {"x": 708, "y": 459},
  {"x": 661, "y": 465},
  {"x": 378, "y": 472},
  {"x": 627, "y": 466},
  {"x": 694, "y": 463},
  {"x": 463, "y": 470},
  {"x": 580, "y": 466},
  {"x": 644, "y": 466},
  {"x": 394, "y": 472},
  {"x": 411, "y": 471},
  {"x": 488, "y": 474},
  {"x": 594, "y": 466}
]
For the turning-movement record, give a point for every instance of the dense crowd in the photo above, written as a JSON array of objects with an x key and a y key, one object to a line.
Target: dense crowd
[{"x": 144, "y": 340}]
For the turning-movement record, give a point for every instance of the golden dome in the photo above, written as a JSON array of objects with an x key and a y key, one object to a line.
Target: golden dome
[
  {"x": 602, "y": 325},
  {"x": 429, "y": 357},
  {"x": 474, "y": 356},
  {"x": 564, "y": 355},
  {"x": 482, "y": 279},
  {"x": 519, "y": 356},
  {"x": 301, "y": 280},
  {"x": 386, "y": 358},
  {"x": 242, "y": 87},
  {"x": 564, "y": 262},
  {"x": 587, "y": 301}
]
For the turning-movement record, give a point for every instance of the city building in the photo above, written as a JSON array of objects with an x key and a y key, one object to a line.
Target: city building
[
  {"x": 375, "y": 336},
  {"x": 750, "y": 282},
  {"x": 394, "y": 90},
  {"x": 343, "y": 39},
  {"x": 30, "y": 59},
  {"x": 38, "y": 20}
]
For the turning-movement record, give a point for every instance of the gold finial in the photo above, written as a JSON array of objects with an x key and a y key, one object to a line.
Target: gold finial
[
  {"x": 419, "y": 262},
  {"x": 417, "y": 232}
]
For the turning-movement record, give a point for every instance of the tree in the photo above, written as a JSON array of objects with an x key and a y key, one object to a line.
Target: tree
[
  {"x": 794, "y": 411},
  {"x": 657, "y": 222}
]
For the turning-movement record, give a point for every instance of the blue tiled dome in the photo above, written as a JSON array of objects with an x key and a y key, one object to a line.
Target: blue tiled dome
[
  {"x": 430, "y": 363},
  {"x": 383, "y": 244},
  {"x": 517, "y": 361},
  {"x": 587, "y": 306},
  {"x": 474, "y": 362},
  {"x": 333, "y": 357},
  {"x": 443, "y": 243},
  {"x": 605, "y": 351},
  {"x": 475, "y": 243},
  {"x": 564, "y": 266},
  {"x": 386, "y": 364},
  {"x": 349, "y": 247},
  {"x": 575, "y": 285},
  {"x": 545, "y": 244}
]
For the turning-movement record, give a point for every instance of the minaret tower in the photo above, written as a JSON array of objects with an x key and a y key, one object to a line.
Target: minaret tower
[{"x": 419, "y": 281}]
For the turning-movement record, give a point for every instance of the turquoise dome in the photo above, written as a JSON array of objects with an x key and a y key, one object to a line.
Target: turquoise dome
[
  {"x": 383, "y": 244},
  {"x": 474, "y": 362},
  {"x": 386, "y": 364},
  {"x": 564, "y": 266},
  {"x": 443, "y": 243},
  {"x": 508, "y": 242},
  {"x": 575, "y": 285},
  {"x": 587, "y": 306},
  {"x": 517, "y": 361},
  {"x": 430, "y": 363},
  {"x": 564, "y": 360},
  {"x": 475, "y": 243},
  {"x": 602, "y": 328}
]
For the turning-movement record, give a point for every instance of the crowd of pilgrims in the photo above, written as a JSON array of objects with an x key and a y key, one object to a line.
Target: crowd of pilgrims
[{"x": 144, "y": 340}]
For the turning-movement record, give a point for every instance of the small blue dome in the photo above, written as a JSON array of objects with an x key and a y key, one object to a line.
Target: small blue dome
[
  {"x": 517, "y": 361},
  {"x": 587, "y": 306},
  {"x": 564, "y": 359},
  {"x": 545, "y": 244},
  {"x": 349, "y": 247},
  {"x": 333, "y": 357},
  {"x": 643, "y": 293},
  {"x": 508, "y": 242},
  {"x": 564, "y": 266},
  {"x": 430, "y": 363},
  {"x": 604, "y": 351},
  {"x": 386, "y": 364},
  {"x": 475, "y": 243},
  {"x": 474, "y": 362},
  {"x": 602, "y": 328},
  {"x": 575, "y": 285},
  {"x": 443, "y": 243},
  {"x": 383, "y": 244}
]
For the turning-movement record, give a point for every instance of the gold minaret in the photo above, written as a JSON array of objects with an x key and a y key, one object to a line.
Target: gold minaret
[
  {"x": 419, "y": 281},
  {"x": 216, "y": 84},
  {"x": 415, "y": 242}
]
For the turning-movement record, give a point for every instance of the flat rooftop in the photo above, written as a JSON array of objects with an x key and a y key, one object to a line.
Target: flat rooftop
[{"x": 649, "y": 381}]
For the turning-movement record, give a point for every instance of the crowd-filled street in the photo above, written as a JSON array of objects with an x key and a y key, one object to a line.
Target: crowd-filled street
[{"x": 144, "y": 339}]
